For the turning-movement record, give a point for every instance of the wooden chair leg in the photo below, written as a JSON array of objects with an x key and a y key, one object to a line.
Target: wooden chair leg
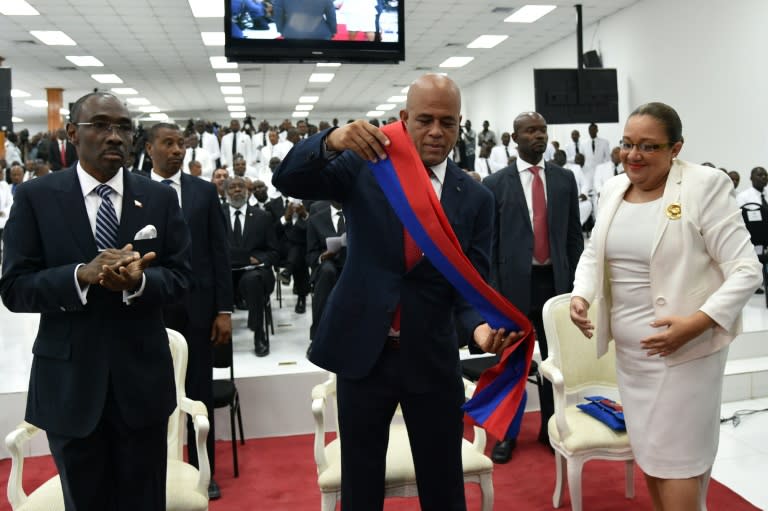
[
  {"x": 629, "y": 468},
  {"x": 486, "y": 491},
  {"x": 557, "y": 496},
  {"x": 574, "y": 466}
]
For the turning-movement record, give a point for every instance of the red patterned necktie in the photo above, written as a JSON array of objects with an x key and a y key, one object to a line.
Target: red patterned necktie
[
  {"x": 63, "y": 154},
  {"x": 540, "y": 227}
]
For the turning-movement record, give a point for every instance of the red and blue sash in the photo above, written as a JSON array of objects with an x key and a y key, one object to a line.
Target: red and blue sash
[{"x": 499, "y": 400}]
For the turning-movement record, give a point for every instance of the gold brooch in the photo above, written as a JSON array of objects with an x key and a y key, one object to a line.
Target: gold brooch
[{"x": 674, "y": 211}]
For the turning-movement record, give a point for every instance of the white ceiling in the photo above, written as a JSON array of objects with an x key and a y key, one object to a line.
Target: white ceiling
[{"x": 155, "y": 47}]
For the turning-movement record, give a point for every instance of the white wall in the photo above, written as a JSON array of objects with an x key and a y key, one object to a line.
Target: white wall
[{"x": 703, "y": 57}]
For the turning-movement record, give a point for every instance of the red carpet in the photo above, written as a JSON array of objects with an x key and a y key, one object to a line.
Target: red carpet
[{"x": 279, "y": 474}]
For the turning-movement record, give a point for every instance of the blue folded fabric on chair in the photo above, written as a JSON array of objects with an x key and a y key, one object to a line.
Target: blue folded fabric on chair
[{"x": 607, "y": 411}]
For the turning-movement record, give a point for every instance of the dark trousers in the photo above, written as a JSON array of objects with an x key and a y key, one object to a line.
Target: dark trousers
[
  {"x": 542, "y": 289},
  {"x": 434, "y": 423},
  {"x": 324, "y": 277},
  {"x": 198, "y": 384},
  {"x": 296, "y": 264},
  {"x": 114, "y": 468},
  {"x": 254, "y": 286}
]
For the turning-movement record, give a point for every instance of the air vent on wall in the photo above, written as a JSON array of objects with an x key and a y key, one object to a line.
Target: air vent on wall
[
  {"x": 500, "y": 10},
  {"x": 422, "y": 68},
  {"x": 252, "y": 68},
  {"x": 25, "y": 41},
  {"x": 65, "y": 68}
]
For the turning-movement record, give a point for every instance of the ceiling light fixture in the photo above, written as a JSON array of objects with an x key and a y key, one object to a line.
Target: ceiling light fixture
[
  {"x": 84, "y": 61},
  {"x": 125, "y": 91},
  {"x": 138, "y": 101},
  {"x": 53, "y": 37},
  {"x": 236, "y": 108},
  {"x": 304, "y": 108},
  {"x": 321, "y": 77},
  {"x": 149, "y": 109},
  {"x": 309, "y": 99},
  {"x": 18, "y": 93},
  {"x": 17, "y": 8},
  {"x": 212, "y": 38},
  {"x": 529, "y": 13},
  {"x": 456, "y": 61},
  {"x": 396, "y": 99},
  {"x": 487, "y": 41},
  {"x": 17, "y": 119},
  {"x": 375, "y": 113},
  {"x": 302, "y": 115},
  {"x": 206, "y": 9},
  {"x": 228, "y": 77},
  {"x": 386, "y": 107},
  {"x": 107, "y": 78},
  {"x": 329, "y": 64},
  {"x": 238, "y": 115},
  {"x": 234, "y": 100},
  {"x": 222, "y": 63},
  {"x": 234, "y": 90},
  {"x": 37, "y": 103},
  {"x": 404, "y": 90}
]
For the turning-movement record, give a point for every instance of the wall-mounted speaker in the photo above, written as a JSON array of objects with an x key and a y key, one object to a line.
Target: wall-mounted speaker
[
  {"x": 6, "y": 104},
  {"x": 592, "y": 59}
]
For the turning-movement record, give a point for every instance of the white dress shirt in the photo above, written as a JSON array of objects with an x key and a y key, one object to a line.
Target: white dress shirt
[
  {"x": 6, "y": 200},
  {"x": 243, "y": 142},
  {"x": 232, "y": 216},
  {"x": 499, "y": 157},
  {"x": 175, "y": 182},
  {"x": 210, "y": 143},
  {"x": 204, "y": 157},
  {"x": 526, "y": 180},
  {"x": 751, "y": 194}
]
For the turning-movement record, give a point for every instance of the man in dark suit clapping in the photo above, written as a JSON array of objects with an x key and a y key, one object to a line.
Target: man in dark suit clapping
[
  {"x": 98, "y": 252},
  {"x": 537, "y": 242}
]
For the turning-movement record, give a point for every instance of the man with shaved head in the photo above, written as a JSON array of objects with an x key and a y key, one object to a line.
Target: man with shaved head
[
  {"x": 538, "y": 238},
  {"x": 392, "y": 326}
]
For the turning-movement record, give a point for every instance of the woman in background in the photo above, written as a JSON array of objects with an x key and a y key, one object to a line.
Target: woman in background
[{"x": 670, "y": 267}]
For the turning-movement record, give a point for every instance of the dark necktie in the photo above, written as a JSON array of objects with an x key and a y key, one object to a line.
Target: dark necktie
[
  {"x": 193, "y": 154},
  {"x": 63, "y": 154},
  {"x": 762, "y": 197},
  {"x": 200, "y": 141},
  {"x": 540, "y": 226},
  {"x": 341, "y": 227},
  {"x": 234, "y": 145},
  {"x": 222, "y": 199},
  {"x": 615, "y": 170},
  {"x": 238, "y": 229},
  {"x": 593, "y": 145},
  {"x": 264, "y": 139},
  {"x": 576, "y": 144},
  {"x": 506, "y": 150},
  {"x": 106, "y": 220},
  {"x": 13, "y": 189}
]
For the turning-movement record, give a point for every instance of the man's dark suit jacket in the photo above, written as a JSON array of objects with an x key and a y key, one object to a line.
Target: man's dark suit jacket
[
  {"x": 305, "y": 19},
  {"x": 82, "y": 350},
  {"x": 319, "y": 227},
  {"x": 259, "y": 239},
  {"x": 513, "y": 246},
  {"x": 54, "y": 154},
  {"x": 211, "y": 290},
  {"x": 359, "y": 313}
]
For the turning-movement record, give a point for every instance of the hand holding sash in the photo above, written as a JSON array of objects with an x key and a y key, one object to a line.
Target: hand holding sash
[
  {"x": 360, "y": 137},
  {"x": 495, "y": 341}
]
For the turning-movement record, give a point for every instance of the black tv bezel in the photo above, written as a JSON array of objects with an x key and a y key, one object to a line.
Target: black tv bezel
[
  {"x": 579, "y": 112},
  {"x": 313, "y": 50}
]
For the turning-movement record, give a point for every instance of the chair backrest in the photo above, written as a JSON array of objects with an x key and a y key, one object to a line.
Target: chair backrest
[
  {"x": 756, "y": 220},
  {"x": 572, "y": 352},
  {"x": 223, "y": 358},
  {"x": 177, "y": 420}
]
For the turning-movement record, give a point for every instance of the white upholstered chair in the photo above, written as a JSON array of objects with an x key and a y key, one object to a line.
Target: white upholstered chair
[
  {"x": 574, "y": 370},
  {"x": 186, "y": 487},
  {"x": 400, "y": 478}
]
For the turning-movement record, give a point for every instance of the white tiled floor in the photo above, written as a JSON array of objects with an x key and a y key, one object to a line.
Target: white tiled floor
[{"x": 741, "y": 464}]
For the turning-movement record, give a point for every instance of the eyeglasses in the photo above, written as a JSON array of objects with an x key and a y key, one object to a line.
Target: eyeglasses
[
  {"x": 644, "y": 147},
  {"x": 123, "y": 129}
]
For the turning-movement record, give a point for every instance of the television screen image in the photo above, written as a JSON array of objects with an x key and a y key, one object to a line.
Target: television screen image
[
  {"x": 571, "y": 96},
  {"x": 314, "y": 30}
]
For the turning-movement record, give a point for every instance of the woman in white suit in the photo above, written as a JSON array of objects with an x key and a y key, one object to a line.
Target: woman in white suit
[{"x": 670, "y": 267}]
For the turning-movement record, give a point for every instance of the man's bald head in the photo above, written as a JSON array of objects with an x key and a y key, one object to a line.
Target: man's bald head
[
  {"x": 523, "y": 119},
  {"x": 430, "y": 84}
]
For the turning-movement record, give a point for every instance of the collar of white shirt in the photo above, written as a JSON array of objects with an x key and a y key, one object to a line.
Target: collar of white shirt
[
  {"x": 439, "y": 170},
  {"x": 176, "y": 178},
  {"x": 523, "y": 165},
  {"x": 88, "y": 182}
]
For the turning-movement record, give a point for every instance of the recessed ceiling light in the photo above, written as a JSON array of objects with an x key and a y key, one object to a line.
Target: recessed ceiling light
[
  {"x": 309, "y": 99},
  {"x": 206, "y": 9},
  {"x": 304, "y": 108},
  {"x": 18, "y": 93},
  {"x": 222, "y": 63},
  {"x": 37, "y": 103},
  {"x": 149, "y": 109},
  {"x": 84, "y": 61},
  {"x": 404, "y": 90},
  {"x": 329, "y": 64},
  {"x": 299, "y": 114},
  {"x": 456, "y": 61},
  {"x": 107, "y": 78},
  {"x": 386, "y": 107},
  {"x": 396, "y": 99},
  {"x": 234, "y": 100},
  {"x": 236, "y": 108},
  {"x": 529, "y": 13},
  {"x": 238, "y": 115},
  {"x": 213, "y": 38},
  {"x": 158, "y": 116},
  {"x": 375, "y": 113},
  {"x": 487, "y": 41},
  {"x": 321, "y": 77},
  {"x": 228, "y": 77},
  {"x": 125, "y": 91},
  {"x": 138, "y": 101},
  {"x": 53, "y": 37},
  {"x": 17, "y": 8},
  {"x": 231, "y": 89},
  {"x": 17, "y": 119}
]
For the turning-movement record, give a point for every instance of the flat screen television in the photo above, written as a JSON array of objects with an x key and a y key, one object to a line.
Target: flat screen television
[
  {"x": 570, "y": 96},
  {"x": 363, "y": 31}
]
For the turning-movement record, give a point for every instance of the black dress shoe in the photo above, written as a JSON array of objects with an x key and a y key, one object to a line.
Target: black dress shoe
[
  {"x": 502, "y": 451},
  {"x": 285, "y": 277},
  {"x": 759, "y": 291},
  {"x": 214, "y": 492},
  {"x": 260, "y": 345},
  {"x": 301, "y": 305}
]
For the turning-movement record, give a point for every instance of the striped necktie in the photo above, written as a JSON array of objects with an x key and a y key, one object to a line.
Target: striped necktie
[{"x": 106, "y": 220}]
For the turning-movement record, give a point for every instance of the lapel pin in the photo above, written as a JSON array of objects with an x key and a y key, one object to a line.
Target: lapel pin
[
  {"x": 674, "y": 211},
  {"x": 458, "y": 188},
  {"x": 137, "y": 204}
]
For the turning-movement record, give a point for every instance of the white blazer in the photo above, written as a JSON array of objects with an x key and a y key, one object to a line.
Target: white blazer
[{"x": 700, "y": 260}]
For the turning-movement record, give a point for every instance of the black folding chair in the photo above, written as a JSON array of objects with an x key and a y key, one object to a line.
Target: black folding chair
[
  {"x": 756, "y": 219},
  {"x": 225, "y": 394}
]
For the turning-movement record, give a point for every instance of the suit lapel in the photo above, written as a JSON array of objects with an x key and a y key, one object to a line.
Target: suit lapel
[
  {"x": 671, "y": 195},
  {"x": 71, "y": 201},
  {"x": 188, "y": 196},
  {"x": 515, "y": 195},
  {"x": 553, "y": 205},
  {"x": 133, "y": 204}
]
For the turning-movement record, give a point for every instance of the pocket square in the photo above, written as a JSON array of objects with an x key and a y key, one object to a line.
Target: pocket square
[{"x": 146, "y": 233}]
